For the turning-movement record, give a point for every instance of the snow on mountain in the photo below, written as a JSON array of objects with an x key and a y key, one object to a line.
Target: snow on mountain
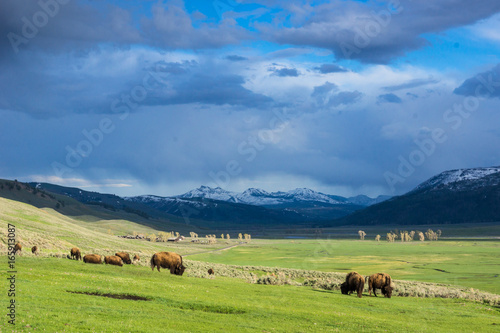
[
  {"x": 455, "y": 179},
  {"x": 258, "y": 197}
]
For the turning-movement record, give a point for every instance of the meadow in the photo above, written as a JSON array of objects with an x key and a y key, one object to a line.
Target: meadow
[
  {"x": 267, "y": 285},
  {"x": 466, "y": 263},
  {"x": 61, "y": 295}
]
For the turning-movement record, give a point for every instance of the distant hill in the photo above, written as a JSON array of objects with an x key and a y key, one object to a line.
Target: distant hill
[
  {"x": 215, "y": 208},
  {"x": 455, "y": 196}
]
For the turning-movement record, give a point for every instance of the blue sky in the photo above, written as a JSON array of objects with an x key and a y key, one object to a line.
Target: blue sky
[{"x": 159, "y": 97}]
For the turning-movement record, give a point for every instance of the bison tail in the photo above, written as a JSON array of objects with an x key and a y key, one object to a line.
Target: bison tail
[{"x": 153, "y": 262}]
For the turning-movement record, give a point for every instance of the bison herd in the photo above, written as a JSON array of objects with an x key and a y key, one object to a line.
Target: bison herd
[
  {"x": 173, "y": 262},
  {"x": 168, "y": 260},
  {"x": 355, "y": 282}
]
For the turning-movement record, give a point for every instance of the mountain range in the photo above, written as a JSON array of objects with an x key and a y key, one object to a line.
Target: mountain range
[{"x": 455, "y": 196}]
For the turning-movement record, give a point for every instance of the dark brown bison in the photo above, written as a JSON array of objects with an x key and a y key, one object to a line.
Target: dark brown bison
[
  {"x": 169, "y": 260},
  {"x": 34, "y": 249},
  {"x": 75, "y": 253},
  {"x": 113, "y": 260},
  {"x": 125, "y": 257},
  {"x": 353, "y": 282},
  {"x": 92, "y": 259},
  {"x": 380, "y": 281},
  {"x": 210, "y": 272},
  {"x": 136, "y": 257},
  {"x": 18, "y": 248}
]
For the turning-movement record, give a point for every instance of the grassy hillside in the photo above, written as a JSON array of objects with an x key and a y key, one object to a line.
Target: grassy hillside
[
  {"x": 78, "y": 211},
  {"x": 55, "y": 233}
]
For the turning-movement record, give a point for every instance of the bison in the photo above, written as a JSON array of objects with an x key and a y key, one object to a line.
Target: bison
[
  {"x": 125, "y": 257},
  {"x": 113, "y": 260},
  {"x": 380, "y": 281},
  {"x": 34, "y": 249},
  {"x": 353, "y": 282},
  {"x": 169, "y": 260},
  {"x": 136, "y": 257},
  {"x": 18, "y": 248},
  {"x": 210, "y": 271},
  {"x": 92, "y": 259},
  {"x": 75, "y": 253}
]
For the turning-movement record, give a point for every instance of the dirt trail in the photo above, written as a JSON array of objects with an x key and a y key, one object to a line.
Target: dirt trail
[{"x": 210, "y": 251}]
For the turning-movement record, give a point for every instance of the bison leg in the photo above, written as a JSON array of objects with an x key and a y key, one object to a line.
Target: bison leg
[{"x": 360, "y": 292}]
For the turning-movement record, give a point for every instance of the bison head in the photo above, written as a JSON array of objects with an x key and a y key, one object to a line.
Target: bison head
[
  {"x": 180, "y": 270},
  {"x": 387, "y": 291},
  {"x": 344, "y": 288}
]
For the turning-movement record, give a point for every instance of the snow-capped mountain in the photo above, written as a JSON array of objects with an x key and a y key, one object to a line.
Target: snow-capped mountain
[
  {"x": 455, "y": 196},
  {"x": 258, "y": 197},
  {"x": 462, "y": 178}
]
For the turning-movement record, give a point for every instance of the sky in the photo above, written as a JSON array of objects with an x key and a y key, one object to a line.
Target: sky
[{"x": 160, "y": 97}]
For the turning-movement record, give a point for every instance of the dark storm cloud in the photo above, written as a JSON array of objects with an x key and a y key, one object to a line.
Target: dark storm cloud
[
  {"x": 485, "y": 84},
  {"x": 217, "y": 89},
  {"x": 77, "y": 26},
  {"x": 345, "y": 98},
  {"x": 330, "y": 68},
  {"x": 55, "y": 27},
  {"x": 389, "y": 98},
  {"x": 377, "y": 33},
  {"x": 171, "y": 26},
  {"x": 235, "y": 57},
  {"x": 328, "y": 95},
  {"x": 284, "y": 72}
]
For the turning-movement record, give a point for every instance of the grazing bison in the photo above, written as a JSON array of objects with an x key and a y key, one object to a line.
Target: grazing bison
[
  {"x": 18, "y": 248},
  {"x": 113, "y": 260},
  {"x": 34, "y": 249},
  {"x": 210, "y": 272},
  {"x": 92, "y": 259},
  {"x": 353, "y": 282},
  {"x": 125, "y": 257},
  {"x": 380, "y": 281},
  {"x": 169, "y": 260},
  {"x": 75, "y": 253},
  {"x": 136, "y": 257}
]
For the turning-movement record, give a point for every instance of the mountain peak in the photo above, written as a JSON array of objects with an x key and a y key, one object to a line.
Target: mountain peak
[{"x": 459, "y": 178}]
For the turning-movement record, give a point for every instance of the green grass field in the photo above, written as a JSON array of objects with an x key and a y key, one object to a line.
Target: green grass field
[
  {"x": 51, "y": 297},
  {"x": 466, "y": 263},
  {"x": 60, "y": 295}
]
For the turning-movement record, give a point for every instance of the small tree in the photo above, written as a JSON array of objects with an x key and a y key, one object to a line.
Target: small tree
[
  {"x": 377, "y": 238},
  {"x": 134, "y": 233},
  {"x": 222, "y": 236},
  {"x": 228, "y": 237},
  {"x": 412, "y": 234},
  {"x": 240, "y": 237},
  {"x": 361, "y": 234},
  {"x": 152, "y": 238},
  {"x": 163, "y": 236},
  {"x": 390, "y": 237},
  {"x": 421, "y": 236}
]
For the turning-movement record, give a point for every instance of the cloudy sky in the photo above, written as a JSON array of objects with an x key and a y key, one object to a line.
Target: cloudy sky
[{"x": 160, "y": 97}]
